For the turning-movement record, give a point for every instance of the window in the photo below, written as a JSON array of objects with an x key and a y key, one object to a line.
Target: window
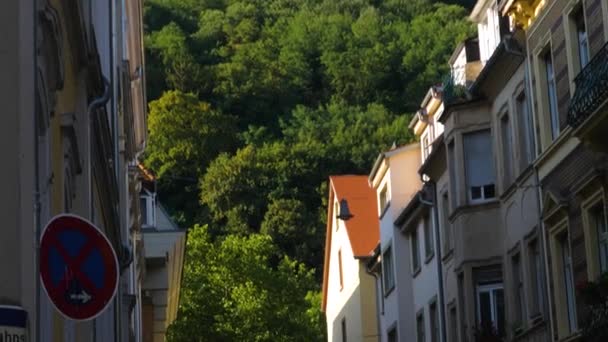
[
  {"x": 535, "y": 265},
  {"x": 445, "y": 222},
  {"x": 491, "y": 307},
  {"x": 552, "y": 94},
  {"x": 426, "y": 145},
  {"x": 453, "y": 322},
  {"x": 387, "y": 270},
  {"x": 598, "y": 220},
  {"x": 336, "y": 214},
  {"x": 392, "y": 335},
  {"x": 581, "y": 38},
  {"x": 343, "y": 325},
  {"x": 434, "y": 316},
  {"x": 568, "y": 279},
  {"x": 383, "y": 199},
  {"x": 146, "y": 207},
  {"x": 428, "y": 237},
  {"x": 518, "y": 289},
  {"x": 340, "y": 269},
  {"x": 452, "y": 171},
  {"x": 506, "y": 135},
  {"x": 461, "y": 303},
  {"x": 415, "y": 252},
  {"x": 525, "y": 130},
  {"x": 420, "y": 335},
  {"x": 479, "y": 166}
]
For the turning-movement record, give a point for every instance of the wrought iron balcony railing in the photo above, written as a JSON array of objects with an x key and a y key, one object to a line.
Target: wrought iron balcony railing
[{"x": 591, "y": 88}]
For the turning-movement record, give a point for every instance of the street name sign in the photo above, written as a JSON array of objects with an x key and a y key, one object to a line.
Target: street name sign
[
  {"x": 78, "y": 267},
  {"x": 13, "y": 324}
]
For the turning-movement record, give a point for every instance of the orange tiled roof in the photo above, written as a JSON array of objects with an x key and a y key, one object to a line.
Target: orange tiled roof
[{"x": 363, "y": 228}]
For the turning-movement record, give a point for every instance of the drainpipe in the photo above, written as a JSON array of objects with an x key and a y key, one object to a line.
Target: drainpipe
[
  {"x": 95, "y": 104},
  {"x": 37, "y": 226},
  {"x": 379, "y": 302},
  {"x": 433, "y": 206}
]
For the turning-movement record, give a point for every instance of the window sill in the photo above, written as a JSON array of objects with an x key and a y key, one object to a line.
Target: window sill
[
  {"x": 490, "y": 204},
  {"x": 388, "y": 204},
  {"x": 429, "y": 258},
  {"x": 576, "y": 336},
  {"x": 447, "y": 255},
  {"x": 389, "y": 291},
  {"x": 416, "y": 272}
]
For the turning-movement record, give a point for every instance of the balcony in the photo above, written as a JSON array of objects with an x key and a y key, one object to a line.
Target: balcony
[
  {"x": 522, "y": 12},
  {"x": 588, "y": 112}
]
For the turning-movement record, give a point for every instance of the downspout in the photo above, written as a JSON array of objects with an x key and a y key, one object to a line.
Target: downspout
[
  {"x": 95, "y": 104},
  {"x": 36, "y": 180},
  {"x": 379, "y": 303},
  {"x": 541, "y": 225},
  {"x": 433, "y": 205}
]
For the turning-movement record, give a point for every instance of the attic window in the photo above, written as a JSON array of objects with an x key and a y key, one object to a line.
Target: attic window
[{"x": 343, "y": 213}]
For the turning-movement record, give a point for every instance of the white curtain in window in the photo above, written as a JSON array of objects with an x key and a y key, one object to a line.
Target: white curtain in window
[{"x": 479, "y": 164}]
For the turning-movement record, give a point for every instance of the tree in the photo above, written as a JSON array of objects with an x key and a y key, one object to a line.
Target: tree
[
  {"x": 184, "y": 136},
  {"x": 239, "y": 289}
]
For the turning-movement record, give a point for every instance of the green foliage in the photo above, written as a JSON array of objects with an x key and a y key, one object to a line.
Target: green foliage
[
  {"x": 239, "y": 289},
  {"x": 185, "y": 136},
  {"x": 255, "y": 103}
]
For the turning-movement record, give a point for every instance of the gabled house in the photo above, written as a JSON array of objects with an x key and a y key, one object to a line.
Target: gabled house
[
  {"x": 395, "y": 182},
  {"x": 349, "y": 291},
  {"x": 164, "y": 245}
]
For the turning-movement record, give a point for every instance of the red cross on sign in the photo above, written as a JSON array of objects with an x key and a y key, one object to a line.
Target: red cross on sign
[{"x": 78, "y": 267}]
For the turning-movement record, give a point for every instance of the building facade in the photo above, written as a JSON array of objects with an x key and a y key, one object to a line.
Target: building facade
[
  {"x": 349, "y": 291},
  {"x": 394, "y": 180},
  {"x": 74, "y": 124}
]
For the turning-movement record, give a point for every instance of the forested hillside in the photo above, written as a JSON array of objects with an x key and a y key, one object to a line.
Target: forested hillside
[{"x": 253, "y": 103}]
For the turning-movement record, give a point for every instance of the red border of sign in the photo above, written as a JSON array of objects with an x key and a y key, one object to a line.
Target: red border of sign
[{"x": 102, "y": 299}]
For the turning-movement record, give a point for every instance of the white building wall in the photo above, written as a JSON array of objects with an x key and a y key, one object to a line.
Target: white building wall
[
  {"x": 426, "y": 282},
  {"x": 403, "y": 181},
  {"x": 343, "y": 302}
]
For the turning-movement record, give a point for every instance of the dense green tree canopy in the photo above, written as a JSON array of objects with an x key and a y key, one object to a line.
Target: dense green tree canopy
[
  {"x": 240, "y": 289},
  {"x": 254, "y": 104}
]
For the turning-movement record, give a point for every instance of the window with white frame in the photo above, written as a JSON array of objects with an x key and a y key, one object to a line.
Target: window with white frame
[
  {"x": 526, "y": 131},
  {"x": 392, "y": 335},
  {"x": 426, "y": 145},
  {"x": 428, "y": 237},
  {"x": 506, "y": 135},
  {"x": 453, "y": 325},
  {"x": 452, "y": 173},
  {"x": 445, "y": 222},
  {"x": 434, "y": 320},
  {"x": 340, "y": 270},
  {"x": 597, "y": 215},
  {"x": 383, "y": 199},
  {"x": 518, "y": 289},
  {"x": 387, "y": 270},
  {"x": 581, "y": 38},
  {"x": 147, "y": 209},
  {"x": 535, "y": 267},
  {"x": 491, "y": 307},
  {"x": 420, "y": 333},
  {"x": 551, "y": 94},
  {"x": 479, "y": 166},
  {"x": 568, "y": 279},
  {"x": 415, "y": 251}
]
